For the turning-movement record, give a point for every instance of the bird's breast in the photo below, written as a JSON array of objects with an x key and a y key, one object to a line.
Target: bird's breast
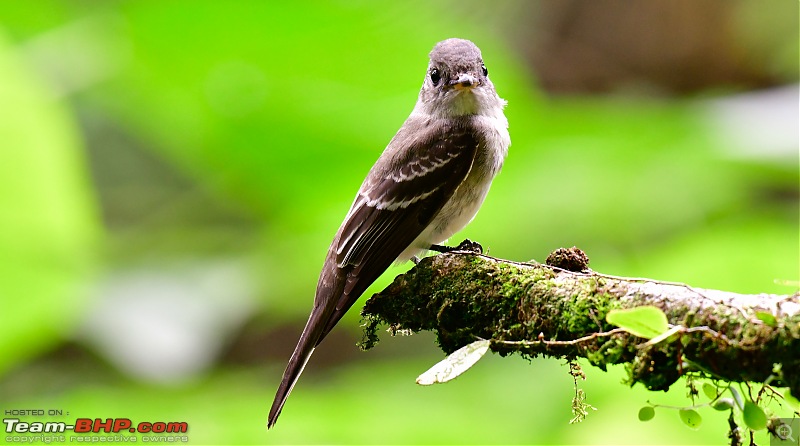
[{"x": 467, "y": 199}]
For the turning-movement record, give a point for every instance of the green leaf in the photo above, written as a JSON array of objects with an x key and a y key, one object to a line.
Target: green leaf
[
  {"x": 644, "y": 322},
  {"x": 691, "y": 418},
  {"x": 723, "y": 404},
  {"x": 767, "y": 318},
  {"x": 710, "y": 390},
  {"x": 454, "y": 365},
  {"x": 49, "y": 231},
  {"x": 664, "y": 336},
  {"x": 754, "y": 416},
  {"x": 646, "y": 413}
]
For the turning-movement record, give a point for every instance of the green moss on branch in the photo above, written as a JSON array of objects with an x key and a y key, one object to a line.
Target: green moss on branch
[{"x": 534, "y": 309}]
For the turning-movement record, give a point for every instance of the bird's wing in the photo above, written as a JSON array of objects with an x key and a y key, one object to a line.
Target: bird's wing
[{"x": 394, "y": 207}]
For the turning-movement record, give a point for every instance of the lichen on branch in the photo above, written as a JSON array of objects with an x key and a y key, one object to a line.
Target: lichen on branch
[{"x": 534, "y": 309}]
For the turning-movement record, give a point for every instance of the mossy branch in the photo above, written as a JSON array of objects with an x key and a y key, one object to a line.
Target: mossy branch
[{"x": 536, "y": 309}]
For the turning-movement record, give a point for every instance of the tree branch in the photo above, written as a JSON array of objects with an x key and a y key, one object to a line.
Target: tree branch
[{"x": 536, "y": 309}]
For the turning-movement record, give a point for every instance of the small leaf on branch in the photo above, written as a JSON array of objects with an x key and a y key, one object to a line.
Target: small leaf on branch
[
  {"x": 691, "y": 418},
  {"x": 710, "y": 390},
  {"x": 645, "y": 322},
  {"x": 664, "y": 336},
  {"x": 455, "y": 364},
  {"x": 646, "y": 413},
  {"x": 767, "y": 318},
  {"x": 723, "y": 404},
  {"x": 754, "y": 416}
]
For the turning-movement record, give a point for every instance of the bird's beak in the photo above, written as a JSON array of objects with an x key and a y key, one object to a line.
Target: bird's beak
[{"x": 465, "y": 81}]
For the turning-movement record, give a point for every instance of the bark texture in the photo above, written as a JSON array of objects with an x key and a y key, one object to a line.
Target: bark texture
[{"x": 536, "y": 309}]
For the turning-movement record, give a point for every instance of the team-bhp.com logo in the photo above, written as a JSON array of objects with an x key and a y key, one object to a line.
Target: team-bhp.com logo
[{"x": 18, "y": 431}]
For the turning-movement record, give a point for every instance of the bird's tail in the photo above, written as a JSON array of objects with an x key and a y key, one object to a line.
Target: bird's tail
[{"x": 305, "y": 347}]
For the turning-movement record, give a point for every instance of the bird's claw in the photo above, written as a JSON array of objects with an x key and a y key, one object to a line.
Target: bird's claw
[
  {"x": 467, "y": 246},
  {"x": 470, "y": 246}
]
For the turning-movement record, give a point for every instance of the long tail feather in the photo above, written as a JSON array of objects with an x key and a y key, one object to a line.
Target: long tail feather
[
  {"x": 329, "y": 290},
  {"x": 302, "y": 352}
]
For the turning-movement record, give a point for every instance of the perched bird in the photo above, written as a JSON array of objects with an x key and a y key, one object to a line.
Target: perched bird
[{"x": 428, "y": 184}]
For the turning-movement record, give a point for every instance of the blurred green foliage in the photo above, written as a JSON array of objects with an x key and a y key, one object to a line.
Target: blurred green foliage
[
  {"x": 49, "y": 229},
  {"x": 273, "y": 112}
]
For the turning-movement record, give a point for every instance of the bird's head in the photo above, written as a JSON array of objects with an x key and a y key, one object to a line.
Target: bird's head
[{"x": 457, "y": 82}]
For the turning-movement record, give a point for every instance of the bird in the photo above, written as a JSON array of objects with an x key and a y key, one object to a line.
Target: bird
[{"x": 427, "y": 184}]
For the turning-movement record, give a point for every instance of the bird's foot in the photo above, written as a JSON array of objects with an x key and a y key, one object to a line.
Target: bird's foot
[{"x": 467, "y": 245}]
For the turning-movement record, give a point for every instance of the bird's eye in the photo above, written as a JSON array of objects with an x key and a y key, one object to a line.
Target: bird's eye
[
  {"x": 435, "y": 76},
  {"x": 484, "y": 70}
]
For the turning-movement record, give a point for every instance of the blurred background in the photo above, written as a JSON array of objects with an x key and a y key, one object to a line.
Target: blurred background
[{"x": 172, "y": 173}]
